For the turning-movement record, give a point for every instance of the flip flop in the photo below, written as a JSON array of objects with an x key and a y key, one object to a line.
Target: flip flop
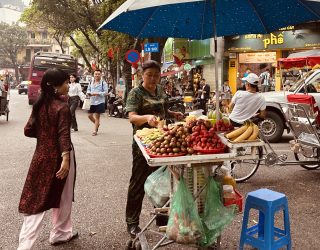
[{"x": 74, "y": 236}]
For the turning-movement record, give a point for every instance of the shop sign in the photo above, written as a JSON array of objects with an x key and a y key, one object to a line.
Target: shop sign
[
  {"x": 273, "y": 39},
  {"x": 151, "y": 47},
  {"x": 232, "y": 55},
  {"x": 285, "y": 39},
  {"x": 187, "y": 67},
  {"x": 260, "y": 57}
]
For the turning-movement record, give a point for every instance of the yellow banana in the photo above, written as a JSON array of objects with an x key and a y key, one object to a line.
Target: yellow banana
[
  {"x": 237, "y": 132},
  {"x": 245, "y": 135},
  {"x": 255, "y": 133}
]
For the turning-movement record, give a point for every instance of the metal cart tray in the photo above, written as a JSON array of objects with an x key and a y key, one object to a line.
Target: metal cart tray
[
  {"x": 225, "y": 141},
  {"x": 193, "y": 159}
]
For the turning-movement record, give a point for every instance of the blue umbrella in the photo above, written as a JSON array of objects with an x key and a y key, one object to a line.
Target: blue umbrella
[
  {"x": 195, "y": 19},
  {"x": 201, "y": 19}
]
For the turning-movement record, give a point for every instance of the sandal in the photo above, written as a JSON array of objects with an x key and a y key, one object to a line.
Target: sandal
[
  {"x": 73, "y": 236},
  {"x": 94, "y": 133}
]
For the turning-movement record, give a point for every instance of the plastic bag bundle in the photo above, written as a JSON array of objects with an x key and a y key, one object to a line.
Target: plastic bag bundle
[
  {"x": 157, "y": 186},
  {"x": 216, "y": 216},
  {"x": 184, "y": 225}
]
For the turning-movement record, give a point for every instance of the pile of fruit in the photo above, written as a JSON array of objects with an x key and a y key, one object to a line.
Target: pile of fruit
[
  {"x": 171, "y": 143},
  {"x": 194, "y": 136},
  {"x": 203, "y": 137},
  {"x": 148, "y": 135},
  {"x": 223, "y": 125},
  {"x": 248, "y": 132}
]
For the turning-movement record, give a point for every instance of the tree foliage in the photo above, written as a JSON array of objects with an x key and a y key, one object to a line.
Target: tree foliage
[
  {"x": 79, "y": 20},
  {"x": 13, "y": 39}
]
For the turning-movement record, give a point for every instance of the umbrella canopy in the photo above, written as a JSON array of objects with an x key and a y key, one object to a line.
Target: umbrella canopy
[
  {"x": 195, "y": 19},
  {"x": 201, "y": 19}
]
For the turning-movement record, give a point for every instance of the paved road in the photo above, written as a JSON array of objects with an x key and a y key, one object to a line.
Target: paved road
[{"x": 104, "y": 165}]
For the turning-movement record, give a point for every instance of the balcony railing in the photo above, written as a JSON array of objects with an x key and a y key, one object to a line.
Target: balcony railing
[{"x": 40, "y": 41}]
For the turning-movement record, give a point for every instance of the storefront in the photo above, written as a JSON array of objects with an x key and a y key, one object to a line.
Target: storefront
[
  {"x": 259, "y": 52},
  {"x": 179, "y": 52}
]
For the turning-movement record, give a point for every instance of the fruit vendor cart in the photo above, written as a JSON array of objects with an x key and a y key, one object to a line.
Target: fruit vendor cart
[{"x": 194, "y": 168}]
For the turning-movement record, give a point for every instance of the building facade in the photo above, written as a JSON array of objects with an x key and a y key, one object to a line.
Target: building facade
[{"x": 260, "y": 51}]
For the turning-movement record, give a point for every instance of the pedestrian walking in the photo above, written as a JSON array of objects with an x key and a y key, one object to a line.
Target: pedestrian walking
[
  {"x": 75, "y": 94},
  {"x": 97, "y": 90},
  {"x": 144, "y": 104},
  {"x": 265, "y": 80},
  {"x": 50, "y": 180}
]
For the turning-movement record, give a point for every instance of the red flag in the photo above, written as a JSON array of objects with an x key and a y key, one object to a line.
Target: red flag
[
  {"x": 135, "y": 65},
  {"x": 177, "y": 60},
  {"x": 110, "y": 53}
]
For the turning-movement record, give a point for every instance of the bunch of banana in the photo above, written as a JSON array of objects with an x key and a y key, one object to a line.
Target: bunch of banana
[
  {"x": 148, "y": 135},
  {"x": 247, "y": 132}
]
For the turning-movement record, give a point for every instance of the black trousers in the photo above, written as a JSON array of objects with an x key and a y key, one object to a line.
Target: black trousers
[
  {"x": 140, "y": 172},
  {"x": 73, "y": 104},
  {"x": 255, "y": 120},
  {"x": 203, "y": 105}
]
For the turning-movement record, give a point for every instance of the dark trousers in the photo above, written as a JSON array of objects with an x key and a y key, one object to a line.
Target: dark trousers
[
  {"x": 203, "y": 105},
  {"x": 255, "y": 120},
  {"x": 73, "y": 104},
  {"x": 140, "y": 172}
]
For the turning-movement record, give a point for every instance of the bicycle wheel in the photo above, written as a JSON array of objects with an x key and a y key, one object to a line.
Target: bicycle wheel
[
  {"x": 304, "y": 157},
  {"x": 242, "y": 170}
]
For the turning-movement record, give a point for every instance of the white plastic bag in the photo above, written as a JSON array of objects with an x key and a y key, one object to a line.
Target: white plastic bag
[
  {"x": 86, "y": 104},
  {"x": 157, "y": 186},
  {"x": 82, "y": 96}
]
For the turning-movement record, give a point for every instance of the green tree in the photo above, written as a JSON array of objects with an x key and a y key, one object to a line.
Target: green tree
[
  {"x": 13, "y": 39},
  {"x": 79, "y": 20}
]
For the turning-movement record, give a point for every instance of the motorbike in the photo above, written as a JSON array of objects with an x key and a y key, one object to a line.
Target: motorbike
[
  {"x": 118, "y": 107},
  {"x": 176, "y": 104}
]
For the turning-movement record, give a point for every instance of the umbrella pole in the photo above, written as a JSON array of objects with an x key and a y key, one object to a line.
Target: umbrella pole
[{"x": 216, "y": 61}]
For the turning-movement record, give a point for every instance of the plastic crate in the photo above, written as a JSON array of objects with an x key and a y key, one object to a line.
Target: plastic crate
[{"x": 238, "y": 201}]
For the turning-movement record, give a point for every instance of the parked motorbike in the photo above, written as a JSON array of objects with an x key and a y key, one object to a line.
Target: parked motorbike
[
  {"x": 118, "y": 107},
  {"x": 176, "y": 104}
]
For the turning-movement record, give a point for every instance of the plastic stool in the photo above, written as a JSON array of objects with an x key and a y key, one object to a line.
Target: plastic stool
[{"x": 269, "y": 237}]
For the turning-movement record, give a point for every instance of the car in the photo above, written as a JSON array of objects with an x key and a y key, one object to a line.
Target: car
[
  {"x": 275, "y": 123},
  {"x": 23, "y": 87}
]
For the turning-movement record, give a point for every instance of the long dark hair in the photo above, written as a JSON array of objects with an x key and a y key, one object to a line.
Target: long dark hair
[
  {"x": 53, "y": 77},
  {"x": 75, "y": 76}
]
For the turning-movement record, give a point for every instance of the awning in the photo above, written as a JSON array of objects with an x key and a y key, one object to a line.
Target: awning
[{"x": 299, "y": 63}]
